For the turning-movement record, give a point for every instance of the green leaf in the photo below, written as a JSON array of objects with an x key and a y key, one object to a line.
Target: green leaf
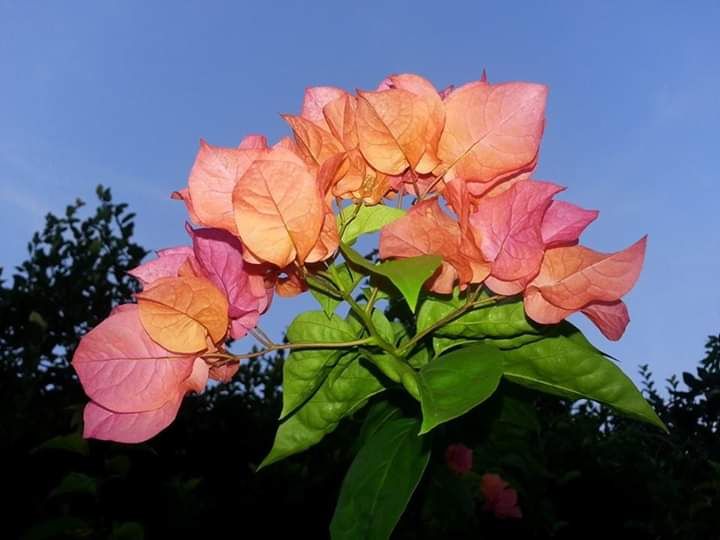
[
  {"x": 73, "y": 442},
  {"x": 408, "y": 275},
  {"x": 348, "y": 385},
  {"x": 420, "y": 354},
  {"x": 419, "y": 357},
  {"x": 567, "y": 365},
  {"x": 367, "y": 219},
  {"x": 383, "y": 326},
  {"x": 378, "y": 414},
  {"x": 306, "y": 369},
  {"x": 516, "y": 408},
  {"x": 442, "y": 345},
  {"x": 455, "y": 383},
  {"x": 314, "y": 326},
  {"x": 380, "y": 482},
  {"x": 328, "y": 303},
  {"x": 397, "y": 370},
  {"x": 75, "y": 483},
  {"x": 355, "y": 259},
  {"x": 502, "y": 320}
]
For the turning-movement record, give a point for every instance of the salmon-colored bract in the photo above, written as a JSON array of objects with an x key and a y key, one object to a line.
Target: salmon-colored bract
[
  {"x": 279, "y": 210},
  {"x": 183, "y": 314}
]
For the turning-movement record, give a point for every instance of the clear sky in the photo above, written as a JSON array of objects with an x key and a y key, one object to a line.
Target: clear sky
[{"x": 120, "y": 92}]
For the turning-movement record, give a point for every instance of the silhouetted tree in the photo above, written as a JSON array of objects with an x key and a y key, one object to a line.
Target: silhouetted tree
[{"x": 580, "y": 471}]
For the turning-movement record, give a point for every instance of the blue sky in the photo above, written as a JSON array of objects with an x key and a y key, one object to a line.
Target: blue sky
[{"x": 120, "y": 92}]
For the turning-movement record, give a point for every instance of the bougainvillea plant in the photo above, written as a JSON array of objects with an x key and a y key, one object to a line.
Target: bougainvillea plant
[{"x": 480, "y": 260}]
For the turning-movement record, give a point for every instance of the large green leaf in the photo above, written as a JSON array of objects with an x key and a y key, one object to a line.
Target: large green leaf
[
  {"x": 566, "y": 364},
  {"x": 306, "y": 369},
  {"x": 346, "y": 388},
  {"x": 380, "y": 482},
  {"x": 367, "y": 219},
  {"x": 378, "y": 414},
  {"x": 458, "y": 381},
  {"x": 501, "y": 320},
  {"x": 408, "y": 275}
]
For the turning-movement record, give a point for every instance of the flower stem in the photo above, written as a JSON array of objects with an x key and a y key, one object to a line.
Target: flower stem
[
  {"x": 356, "y": 211},
  {"x": 227, "y": 358},
  {"x": 262, "y": 338}
]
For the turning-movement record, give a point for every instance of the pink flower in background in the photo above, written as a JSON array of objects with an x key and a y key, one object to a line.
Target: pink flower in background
[
  {"x": 500, "y": 498},
  {"x": 459, "y": 458}
]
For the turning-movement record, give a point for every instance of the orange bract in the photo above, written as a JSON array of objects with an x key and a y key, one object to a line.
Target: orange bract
[
  {"x": 492, "y": 131},
  {"x": 328, "y": 241},
  {"x": 279, "y": 209},
  {"x": 181, "y": 314},
  {"x": 212, "y": 180},
  {"x": 424, "y": 89},
  {"x": 315, "y": 143},
  {"x": 392, "y": 126},
  {"x": 427, "y": 230},
  {"x": 341, "y": 116}
]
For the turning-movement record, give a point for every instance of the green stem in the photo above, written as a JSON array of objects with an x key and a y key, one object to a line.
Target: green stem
[
  {"x": 371, "y": 300},
  {"x": 318, "y": 284},
  {"x": 344, "y": 225},
  {"x": 364, "y": 316},
  {"x": 391, "y": 364}
]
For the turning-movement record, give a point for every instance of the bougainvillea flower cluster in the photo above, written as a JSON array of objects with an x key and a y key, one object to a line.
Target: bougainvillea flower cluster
[
  {"x": 477, "y": 267},
  {"x": 266, "y": 218}
]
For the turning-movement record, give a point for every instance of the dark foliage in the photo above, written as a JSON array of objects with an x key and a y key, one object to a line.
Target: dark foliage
[{"x": 579, "y": 471}]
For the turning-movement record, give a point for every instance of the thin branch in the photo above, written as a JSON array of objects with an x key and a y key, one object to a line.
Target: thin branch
[
  {"x": 258, "y": 334},
  {"x": 371, "y": 300},
  {"x": 356, "y": 211},
  {"x": 225, "y": 358}
]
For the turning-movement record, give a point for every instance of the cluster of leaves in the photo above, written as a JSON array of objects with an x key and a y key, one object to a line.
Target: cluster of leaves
[
  {"x": 578, "y": 471},
  {"x": 76, "y": 272},
  {"x": 481, "y": 296}
]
